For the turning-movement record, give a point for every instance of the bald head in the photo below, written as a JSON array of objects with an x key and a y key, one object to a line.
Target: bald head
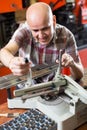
[
  {"x": 41, "y": 22},
  {"x": 39, "y": 12}
]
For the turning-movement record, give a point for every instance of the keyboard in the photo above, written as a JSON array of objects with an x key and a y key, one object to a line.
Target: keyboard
[{"x": 32, "y": 119}]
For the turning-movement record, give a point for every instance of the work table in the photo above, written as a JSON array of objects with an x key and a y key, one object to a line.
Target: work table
[{"x": 4, "y": 107}]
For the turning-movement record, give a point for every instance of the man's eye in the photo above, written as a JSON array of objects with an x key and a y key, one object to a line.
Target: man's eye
[
  {"x": 46, "y": 28},
  {"x": 35, "y": 30},
  {"x": 43, "y": 29}
]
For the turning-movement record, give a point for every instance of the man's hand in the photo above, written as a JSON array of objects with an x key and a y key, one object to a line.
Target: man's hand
[
  {"x": 19, "y": 66},
  {"x": 67, "y": 60}
]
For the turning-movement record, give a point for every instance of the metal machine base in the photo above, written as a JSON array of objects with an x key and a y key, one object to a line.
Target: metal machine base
[{"x": 67, "y": 115}]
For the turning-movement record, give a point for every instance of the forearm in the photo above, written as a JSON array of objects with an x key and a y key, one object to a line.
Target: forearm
[
  {"x": 77, "y": 71},
  {"x": 5, "y": 57}
]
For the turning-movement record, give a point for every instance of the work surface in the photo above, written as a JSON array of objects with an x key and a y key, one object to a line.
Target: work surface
[{"x": 4, "y": 108}]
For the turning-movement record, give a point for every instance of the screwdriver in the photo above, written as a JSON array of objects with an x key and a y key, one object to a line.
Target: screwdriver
[{"x": 9, "y": 115}]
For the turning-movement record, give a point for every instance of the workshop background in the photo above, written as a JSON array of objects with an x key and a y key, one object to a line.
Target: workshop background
[{"x": 70, "y": 13}]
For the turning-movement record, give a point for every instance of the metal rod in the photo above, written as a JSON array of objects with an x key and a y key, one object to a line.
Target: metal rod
[{"x": 59, "y": 64}]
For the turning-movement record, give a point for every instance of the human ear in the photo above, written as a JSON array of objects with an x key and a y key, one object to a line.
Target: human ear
[{"x": 54, "y": 19}]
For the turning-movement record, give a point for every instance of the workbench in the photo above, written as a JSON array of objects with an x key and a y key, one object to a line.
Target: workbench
[{"x": 4, "y": 108}]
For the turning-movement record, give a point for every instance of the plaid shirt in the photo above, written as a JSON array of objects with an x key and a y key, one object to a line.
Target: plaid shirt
[{"x": 38, "y": 54}]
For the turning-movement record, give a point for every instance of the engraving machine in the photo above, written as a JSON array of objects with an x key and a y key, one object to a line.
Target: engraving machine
[{"x": 68, "y": 109}]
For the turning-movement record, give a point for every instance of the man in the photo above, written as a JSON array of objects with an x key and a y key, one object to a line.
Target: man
[{"x": 39, "y": 39}]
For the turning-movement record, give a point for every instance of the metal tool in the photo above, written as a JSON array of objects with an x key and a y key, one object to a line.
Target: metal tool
[{"x": 37, "y": 71}]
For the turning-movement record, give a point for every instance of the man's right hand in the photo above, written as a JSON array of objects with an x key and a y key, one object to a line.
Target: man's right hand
[{"x": 18, "y": 66}]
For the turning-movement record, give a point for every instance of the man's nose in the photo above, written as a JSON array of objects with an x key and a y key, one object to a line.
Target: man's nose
[{"x": 40, "y": 32}]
